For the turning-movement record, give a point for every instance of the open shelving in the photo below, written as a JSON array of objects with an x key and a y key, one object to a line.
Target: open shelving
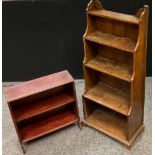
[
  {"x": 114, "y": 71},
  {"x": 41, "y": 106}
]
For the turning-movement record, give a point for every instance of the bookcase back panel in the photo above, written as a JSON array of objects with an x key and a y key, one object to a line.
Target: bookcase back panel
[
  {"x": 93, "y": 77},
  {"x": 115, "y": 27},
  {"x": 93, "y": 49},
  {"x": 116, "y": 83}
]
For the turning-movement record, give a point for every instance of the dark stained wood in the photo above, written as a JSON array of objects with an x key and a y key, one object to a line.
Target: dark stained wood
[
  {"x": 115, "y": 46},
  {"x": 47, "y": 125},
  {"x": 23, "y": 112},
  {"x": 42, "y": 105},
  {"x": 110, "y": 67},
  {"x": 121, "y": 43},
  {"x": 109, "y": 97}
]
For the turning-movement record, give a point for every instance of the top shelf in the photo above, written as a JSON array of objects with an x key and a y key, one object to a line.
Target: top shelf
[
  {"x": 29, "y": 88},
  {"x": 115, "y": 16}
]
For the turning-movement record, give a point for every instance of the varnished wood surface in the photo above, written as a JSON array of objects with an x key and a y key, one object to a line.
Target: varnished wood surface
[
  {"x": 109, "y": 97},
  {"x": 47, "y": 125},
  {"x": 110, "y": 67},
  {"x": 108, "y": 121},
  {"x": 29, "y": 110},
  {"x": 108, "y": 36},
  {"x": 115, "y": 15},
  {"x": 122, "y": 43},
  {"x": 37, "y": 85}
]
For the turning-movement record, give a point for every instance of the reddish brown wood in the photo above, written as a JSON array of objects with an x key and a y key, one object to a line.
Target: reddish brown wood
[
  {"x": 46, "y": 125},
  {"x": 42, "y": 105},
  {"x": 26, "y": 111},
  {"x": 37, "y": 85}
]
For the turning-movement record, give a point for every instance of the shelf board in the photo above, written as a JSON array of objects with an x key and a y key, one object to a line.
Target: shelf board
[
  {"x": 47, "y": 125},
  {"x": 35, "y": 108},
  {"x": 110, "y": 67},
  {"x": 108, "y": 123},
  {"x": 122, "y": 43},
  {"x": 109, "y": 97},
  {"x": 115, "y": 16}
]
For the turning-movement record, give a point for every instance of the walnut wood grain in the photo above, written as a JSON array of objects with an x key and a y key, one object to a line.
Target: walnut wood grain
[
  {"x": 110, "y": 67},
  {"x": 115, "y": 16},
  {"x": 108, "y": 36},
  {"x": 122, "y": 43},
  {"x": 114, "y": 99},
  {"x": 108, "y": 121}
]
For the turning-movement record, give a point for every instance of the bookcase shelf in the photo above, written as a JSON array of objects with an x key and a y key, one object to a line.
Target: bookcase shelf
[
  {"x": 122, "y": 43},
  {"x": 107, "y": 121},
  {"x": 115, "y": 15},
  {"x": 114, "y": 71},
  {"x": 35, "y": 108},
  {"x": 47, "y": 125},
  {"x": 42, "y": 105},
  {"x": 110, "y": 67},
  {"x": 109, "y": 97}
]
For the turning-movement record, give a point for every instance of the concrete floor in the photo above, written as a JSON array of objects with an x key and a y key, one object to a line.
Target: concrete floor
[{"x": 72, "y": 141}]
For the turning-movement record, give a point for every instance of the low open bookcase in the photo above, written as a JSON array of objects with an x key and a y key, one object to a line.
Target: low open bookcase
[
  {"x": 114, "y": 71},
  {"x": 43, "y": 105}
]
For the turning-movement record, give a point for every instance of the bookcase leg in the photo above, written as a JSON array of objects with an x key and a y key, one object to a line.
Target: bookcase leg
[
  {"x": 81, "y": 125},
  {"x": 23, "y": 149}
]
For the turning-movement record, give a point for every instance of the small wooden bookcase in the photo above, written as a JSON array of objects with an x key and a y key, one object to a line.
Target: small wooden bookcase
[
  {"x": 114, "y": 71},
  {"x": 43, "y": 105}
]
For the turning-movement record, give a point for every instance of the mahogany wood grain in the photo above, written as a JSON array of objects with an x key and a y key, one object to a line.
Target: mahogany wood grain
[
  {"x": 29, "y": 110},
  {"x": 37, "y": 85},
  {"x": 42, "y": 105},
  {"x": 46, "y": 125}
]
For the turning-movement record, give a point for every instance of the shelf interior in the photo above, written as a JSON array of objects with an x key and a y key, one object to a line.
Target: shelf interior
[
  {"x": 46, "y": 124},
  {"x": 109, "y": 60},
  {"x": 38, "y": 107},
  {"x": 112, "y": 33},
  {"x": 40, "y": 103},
  {"x": 110, "y": 67},
  {"x": 115, "y": 15},
  {"x": 106, "y": 120},
  {"x": 108, "y": 91}
]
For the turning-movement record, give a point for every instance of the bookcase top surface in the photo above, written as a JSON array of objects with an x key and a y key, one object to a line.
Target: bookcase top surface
[{"x": 38, "y": 85}]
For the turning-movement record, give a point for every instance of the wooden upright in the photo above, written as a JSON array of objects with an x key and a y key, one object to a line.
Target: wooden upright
[{"x": 115, "y": 46}]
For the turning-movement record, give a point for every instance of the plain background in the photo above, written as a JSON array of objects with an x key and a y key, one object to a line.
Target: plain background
[{"x": 42, "y": 37}]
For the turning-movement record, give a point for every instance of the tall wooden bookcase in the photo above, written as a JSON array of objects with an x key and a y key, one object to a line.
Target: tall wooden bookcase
[{"x": 114, "y": 71}]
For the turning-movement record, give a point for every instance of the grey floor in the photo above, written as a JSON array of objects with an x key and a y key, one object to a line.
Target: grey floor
[{"x": 72, "y": 141}]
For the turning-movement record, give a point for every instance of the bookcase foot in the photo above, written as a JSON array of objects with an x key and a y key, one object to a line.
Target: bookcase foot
[{"x": 23, "y": 149}]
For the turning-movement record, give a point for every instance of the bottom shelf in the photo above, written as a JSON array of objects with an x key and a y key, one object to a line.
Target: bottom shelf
[
  {"x": 47, "y": 124},
  {"x": 109, "y": 123}
]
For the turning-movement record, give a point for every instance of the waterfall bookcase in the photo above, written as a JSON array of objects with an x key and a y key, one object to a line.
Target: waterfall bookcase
[
  {"x": 41, "y": 106},
  {"x": 114, "y": 65}
]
